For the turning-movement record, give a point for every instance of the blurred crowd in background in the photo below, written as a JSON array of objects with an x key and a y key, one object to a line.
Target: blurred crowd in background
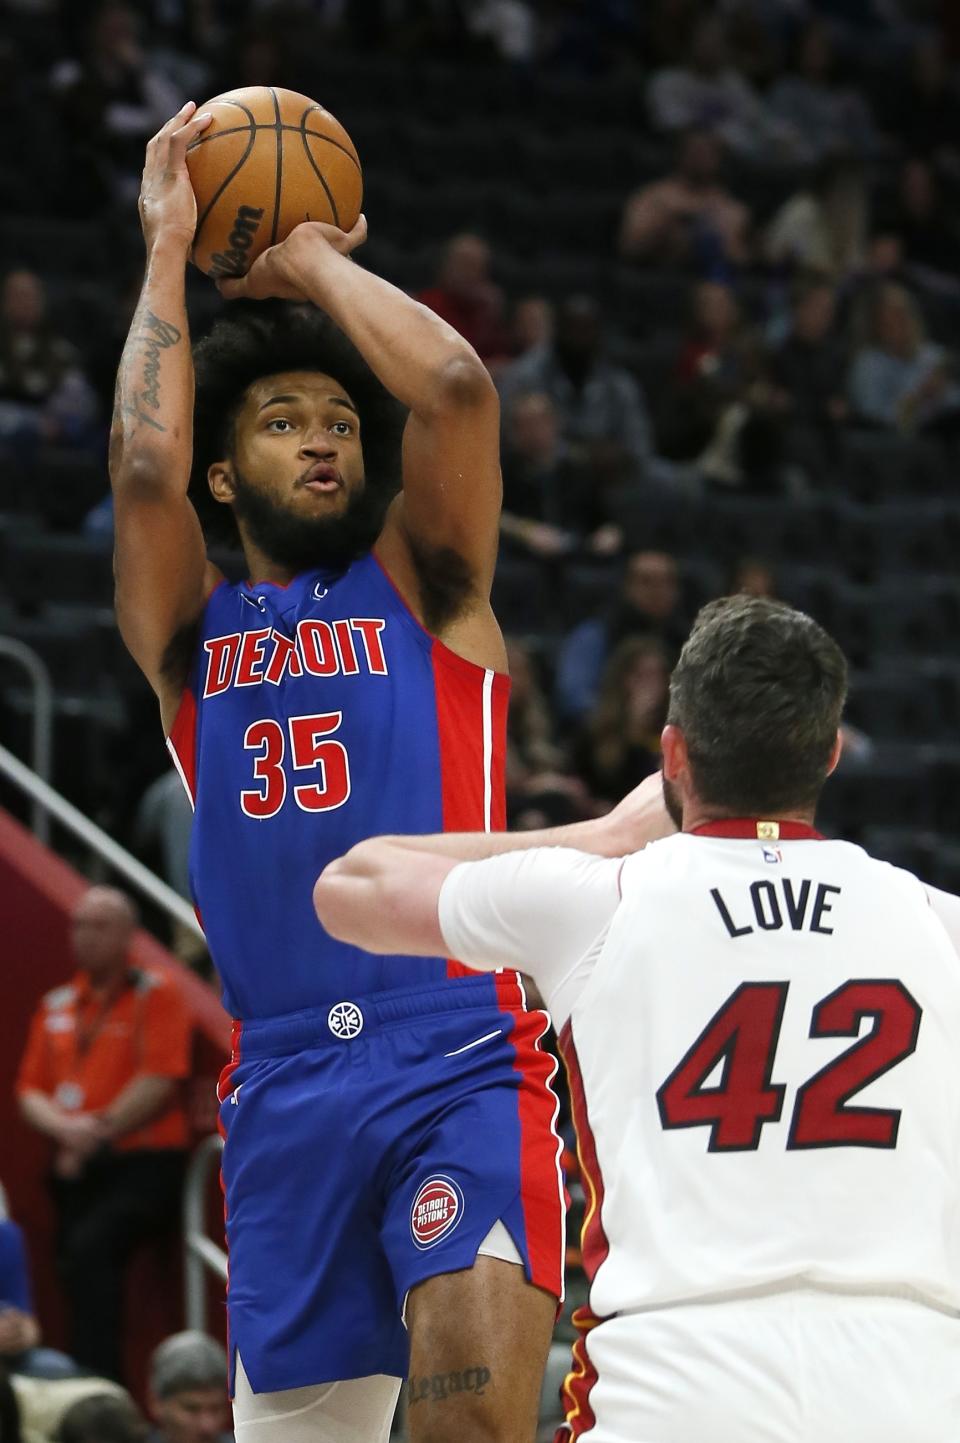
[
  {"x": 709, "y": 252},
  {"x": 746, "y": 255}
]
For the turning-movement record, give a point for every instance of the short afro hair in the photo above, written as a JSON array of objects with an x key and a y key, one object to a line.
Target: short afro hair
[
  {"x": 758, "y": 693},
  {"x": 263, "y": 338}
]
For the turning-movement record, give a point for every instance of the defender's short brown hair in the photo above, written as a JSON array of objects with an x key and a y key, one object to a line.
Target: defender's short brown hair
[{"x": 758, "y": 693}]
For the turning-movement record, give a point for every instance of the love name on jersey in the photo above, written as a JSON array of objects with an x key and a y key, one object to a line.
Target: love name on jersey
[
  {"x": 775, "y": 905},
  {"x": 318, "y": 648}
]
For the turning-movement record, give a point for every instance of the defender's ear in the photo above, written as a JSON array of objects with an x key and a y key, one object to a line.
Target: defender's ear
[{"x": 673, "y": 746}]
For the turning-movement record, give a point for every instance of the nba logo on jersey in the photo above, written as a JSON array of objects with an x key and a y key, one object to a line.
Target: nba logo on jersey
[
  {"x": 437, "y": 1208},
  {"x": 771, "y": 854}
]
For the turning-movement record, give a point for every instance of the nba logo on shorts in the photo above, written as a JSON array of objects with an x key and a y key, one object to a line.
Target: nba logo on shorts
[{"x": 437, "y": 1208}]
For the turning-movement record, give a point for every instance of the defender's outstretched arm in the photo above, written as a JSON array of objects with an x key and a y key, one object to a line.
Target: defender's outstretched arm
[{"x": 383, "y": 894}]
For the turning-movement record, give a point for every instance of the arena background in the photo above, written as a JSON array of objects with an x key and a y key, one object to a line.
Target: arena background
[{"x": 773, "y": 404}]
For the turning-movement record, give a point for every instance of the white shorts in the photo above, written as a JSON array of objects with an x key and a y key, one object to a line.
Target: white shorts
[{"x": 795, "y": 1367}]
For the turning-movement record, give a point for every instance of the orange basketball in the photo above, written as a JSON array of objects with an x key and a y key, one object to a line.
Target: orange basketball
[{"x": 268, "y": 160}]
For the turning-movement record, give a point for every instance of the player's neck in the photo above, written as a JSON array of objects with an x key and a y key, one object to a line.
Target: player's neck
[
  {"x": 261, "y": 567},
  {"x": 696, "y": 815}
]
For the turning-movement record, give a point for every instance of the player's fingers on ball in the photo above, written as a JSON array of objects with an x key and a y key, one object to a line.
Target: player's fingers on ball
[
  {"x": 358, "y": 235},
  {"x": 180, "y": 139},
  {"x": 182, "y": 114},
  {"x": 175, "y": 120},
  {"x": 194, "y": 126}
]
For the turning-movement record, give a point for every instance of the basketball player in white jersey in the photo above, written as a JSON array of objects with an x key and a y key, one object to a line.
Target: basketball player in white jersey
[{"x": 761, "y": 1030}]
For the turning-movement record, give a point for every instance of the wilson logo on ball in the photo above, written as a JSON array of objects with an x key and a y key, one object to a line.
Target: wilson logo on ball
[
  {"x": 437, "y": 1209},
  {"x": 234, "y": 262}
]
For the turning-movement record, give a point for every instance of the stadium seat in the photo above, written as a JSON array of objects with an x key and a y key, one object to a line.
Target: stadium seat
[
  {"x": 748, "y": 525},
  {"x": 878, "y": 464},
  {"x": 896, "y": 782},
  {"x": 64, "y": 486},
  {"x": 57, "y": 246},
  {"x": 897, "y": 705},
  {"x": 647, "y": 302},
  {"x": 912, "y": 618},
  {"x": 525, "y": 601},
  {"x": 43, "y": 569},
  {"x": 588, "y": 588},
  {"x": 903, "y": 847},
  {"x": 658, "y": 517},
  {"x": 920, "y": 535}
]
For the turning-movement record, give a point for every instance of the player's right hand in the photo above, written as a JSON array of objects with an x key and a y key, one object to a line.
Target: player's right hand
[
  {"x": 283, "y": 271},
  {"x": 167, "y": 204},
  {"x": 640, "y": 818}
]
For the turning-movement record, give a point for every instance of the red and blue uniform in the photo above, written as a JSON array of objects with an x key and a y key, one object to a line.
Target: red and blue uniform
[{"x": 380, "y": 1113}]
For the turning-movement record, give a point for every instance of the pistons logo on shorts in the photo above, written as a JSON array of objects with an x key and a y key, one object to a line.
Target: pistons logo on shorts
[{"x": 437, "y": 1208}]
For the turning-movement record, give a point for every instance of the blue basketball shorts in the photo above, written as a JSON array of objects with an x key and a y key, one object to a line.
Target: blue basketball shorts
[{"x": 369, "y": 1147}]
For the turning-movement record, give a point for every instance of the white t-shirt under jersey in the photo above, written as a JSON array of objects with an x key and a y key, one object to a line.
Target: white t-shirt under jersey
[{"x": 766, "y": 1037}]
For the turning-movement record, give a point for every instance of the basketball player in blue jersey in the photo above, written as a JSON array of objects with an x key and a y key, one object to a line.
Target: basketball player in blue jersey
[{"x": 394, "y": 1201}]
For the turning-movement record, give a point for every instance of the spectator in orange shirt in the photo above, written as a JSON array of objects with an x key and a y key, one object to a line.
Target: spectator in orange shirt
[{"x": 99, "y": 1077}]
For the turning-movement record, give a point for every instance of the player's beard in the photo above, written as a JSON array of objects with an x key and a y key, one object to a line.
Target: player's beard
[
  {"x": 300, "y": 542},
  {"x": 673, "y": 804}
]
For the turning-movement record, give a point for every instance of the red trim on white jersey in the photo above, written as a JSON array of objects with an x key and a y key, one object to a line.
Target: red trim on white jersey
[
  {"x": 757, "y": 830},
  {"x": 594, "y": 1244},
  {"x": 182, "y": 744},
  {"x": 579, "y": 1382}
]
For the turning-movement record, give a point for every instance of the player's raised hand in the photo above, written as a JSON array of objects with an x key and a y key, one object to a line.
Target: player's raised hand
[
  {"x": 167, "y": 204},
  {"x": 283, "y": 270}
]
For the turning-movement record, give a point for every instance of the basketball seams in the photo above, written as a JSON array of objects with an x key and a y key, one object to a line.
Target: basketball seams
[
  {"x": 321, "y": 135},
  {"x": 252, "y": 129},
  {"x": 316, "y": 169},
  {"x": 268, "y": 125},
  {"x": 278, "y": 127}
]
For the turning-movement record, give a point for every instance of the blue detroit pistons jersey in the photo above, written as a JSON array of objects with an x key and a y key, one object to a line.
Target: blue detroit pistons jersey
[{"x": 315, "y": 715}]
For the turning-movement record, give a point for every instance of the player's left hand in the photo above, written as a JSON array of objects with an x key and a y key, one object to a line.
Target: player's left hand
[
  {"x": 282, "y": 272},
  {"x": 641, "y": 817}
]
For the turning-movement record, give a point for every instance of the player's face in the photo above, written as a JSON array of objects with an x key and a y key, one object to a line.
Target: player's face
[
  {"x": 297, "y": 440},
  {"x": 296, "y": 478}
]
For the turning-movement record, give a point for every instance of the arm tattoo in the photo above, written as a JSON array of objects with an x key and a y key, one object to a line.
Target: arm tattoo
[
  {"x": 160, "y": 335},
  {"x": 157, "y": 336},
  {"x": 437, "y": 1387}
]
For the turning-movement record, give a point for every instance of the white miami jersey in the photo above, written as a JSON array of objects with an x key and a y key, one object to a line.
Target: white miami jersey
[
  {"x": 762, "y": 1034},
  {"x": 785, "y": 1103}
]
